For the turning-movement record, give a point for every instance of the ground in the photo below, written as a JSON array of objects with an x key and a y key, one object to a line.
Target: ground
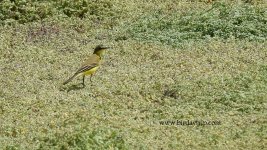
[{"x": 169, "y": 62}]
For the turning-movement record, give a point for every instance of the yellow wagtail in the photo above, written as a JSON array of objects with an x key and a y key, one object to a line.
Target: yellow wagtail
[{"x": 90, "y": 66}]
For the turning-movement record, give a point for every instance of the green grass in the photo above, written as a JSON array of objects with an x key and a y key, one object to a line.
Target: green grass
[
  {"x": 166, "y": 69},
  {"x": 219, "y": 21}
]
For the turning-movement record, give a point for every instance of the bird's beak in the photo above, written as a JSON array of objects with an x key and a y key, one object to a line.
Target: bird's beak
[{"x": 107, "y": 47}]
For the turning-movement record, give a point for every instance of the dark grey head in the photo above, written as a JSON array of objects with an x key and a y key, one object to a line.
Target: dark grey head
[{"x": 100, "y": 49}]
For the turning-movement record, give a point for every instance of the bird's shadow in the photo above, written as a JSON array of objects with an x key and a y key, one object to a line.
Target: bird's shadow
[{"x": 74, "y": 87}]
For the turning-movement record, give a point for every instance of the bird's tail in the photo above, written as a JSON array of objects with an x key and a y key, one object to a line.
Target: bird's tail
[{"x": 67, "y": 81}]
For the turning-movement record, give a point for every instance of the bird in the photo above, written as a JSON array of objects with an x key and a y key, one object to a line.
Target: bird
[{"x": 90, "y": 66}]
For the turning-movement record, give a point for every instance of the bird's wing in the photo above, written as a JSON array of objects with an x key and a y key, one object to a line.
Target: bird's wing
[
  {"x": 86, "y": 68},
  {"x": 91, "y": 62}
]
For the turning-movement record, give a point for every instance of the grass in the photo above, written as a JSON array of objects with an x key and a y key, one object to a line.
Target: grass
[
  {"x": 221, "y": 20},
  {"x": 148, "y": 77}
]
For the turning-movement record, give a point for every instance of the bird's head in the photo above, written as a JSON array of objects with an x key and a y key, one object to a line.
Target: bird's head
[{"x": 99, "y": 50}]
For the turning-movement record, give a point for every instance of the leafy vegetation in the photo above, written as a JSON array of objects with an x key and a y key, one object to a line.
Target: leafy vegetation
[
  {"x": 99, "y": 139},
  {"x": 31, "y": 10},
  {"x": 220, "y": 21}
]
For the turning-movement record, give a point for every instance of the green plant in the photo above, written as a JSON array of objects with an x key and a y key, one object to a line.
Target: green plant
[
  {"x": 24, "y": 11},
  {"x": 221, "y": 21}
]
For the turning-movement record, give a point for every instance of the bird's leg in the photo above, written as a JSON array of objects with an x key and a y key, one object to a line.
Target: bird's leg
[
  {"x": 83, "y": 80},
  {"x": 91, "y": 77}
]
